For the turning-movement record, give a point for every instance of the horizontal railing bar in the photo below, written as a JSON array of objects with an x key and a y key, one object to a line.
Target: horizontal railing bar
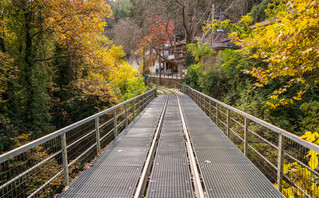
[
  {"x": 269, "y": 162},
  {"x": 274, "y": 128},
  {"x": 87, "y": 150},
  {"x": 81, "y": 138},
  {"x": 29, "y": 170},
  {"x": 42, "y": 162},
  {"x": 220, "y": 111},
  {"x": 130, "y": 115},
  {"x": 253, "y": 132},
  {"x": 106, "y": 123},
  {"x": 121, "y": 123},
  {"x": 237, "y": 122},
  {"x": 10, "y": 154},
  {"x": 118, "y": 115},
  {"x": 108, "y": 133},
  {"x": 236, "y": 134},
  {"x": 219, "y": 120},
  {"x": 206, "y": 109},
  {"x": 45, "y": 184},
  {"x": 295, "y": 185},
  {"x": 301, "y": 163}
]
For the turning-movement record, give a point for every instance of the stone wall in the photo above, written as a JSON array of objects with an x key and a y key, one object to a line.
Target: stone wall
[{"x": 172, "y": 82}]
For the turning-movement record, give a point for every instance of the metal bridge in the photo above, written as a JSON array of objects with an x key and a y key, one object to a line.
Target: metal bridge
[{"x": 177, "y": 144}]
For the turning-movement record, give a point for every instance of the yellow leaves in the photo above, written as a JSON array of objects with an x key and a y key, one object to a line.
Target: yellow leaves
[
  {"x": 271, "y": 105},
  {"x": 312, "y": 137},
  {"x": 287, "y": 44},
  {"x": 126, "y": 82},
  {"x": 274, "y": 97},
  {"x": 313, "y": 162}
]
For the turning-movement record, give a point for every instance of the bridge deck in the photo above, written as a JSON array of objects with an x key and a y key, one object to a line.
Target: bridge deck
[
  {"x": 225, "y": 171},
  {"x": 171, "y": 175},
  {"x": 116, "y": 172}
]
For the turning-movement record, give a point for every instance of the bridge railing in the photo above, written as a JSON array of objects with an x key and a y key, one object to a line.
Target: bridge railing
[
  {"x": 288, "y": 161},
  {"x": 45, "y": 166},
  {"x": 166, "y": 75}
]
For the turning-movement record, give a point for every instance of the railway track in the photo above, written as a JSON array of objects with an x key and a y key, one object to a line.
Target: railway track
[{"x": 197, "y": 185}]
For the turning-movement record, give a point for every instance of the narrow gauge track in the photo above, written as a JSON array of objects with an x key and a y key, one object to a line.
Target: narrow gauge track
[
  {"x": 144, "y": 178},
  {"x": 139, "y": 192}
]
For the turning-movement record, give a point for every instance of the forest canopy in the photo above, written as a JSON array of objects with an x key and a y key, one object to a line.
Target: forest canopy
[{"x": 57, "y": 66}]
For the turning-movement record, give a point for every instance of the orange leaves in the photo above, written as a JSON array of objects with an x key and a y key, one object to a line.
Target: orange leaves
[{"x": 160, "y": 31}]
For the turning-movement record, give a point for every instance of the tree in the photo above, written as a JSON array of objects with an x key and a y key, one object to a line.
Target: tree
[
  {"x": 55, "y": 65},
  {"x": 127, "y": 34},
  {"x": 160, "y": 32},
  {"x": 290, "y": 47}
]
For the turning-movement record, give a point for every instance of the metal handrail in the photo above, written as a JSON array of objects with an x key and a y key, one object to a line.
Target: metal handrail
[
  {"x": 167, "y": 75},
  {"x": 10, "y": 154},
  {"x": 138, "y": 103},
  {"x": 283, "y": 137},
  {"x": 274, "y": 128}
]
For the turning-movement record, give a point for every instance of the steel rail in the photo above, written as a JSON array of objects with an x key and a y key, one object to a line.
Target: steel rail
[
  {"x": 144, "y": 175},
  {"x": 10, "y": 154},
  {"x": 194, "y": 169},
  {"x": 274, "y": 128}
]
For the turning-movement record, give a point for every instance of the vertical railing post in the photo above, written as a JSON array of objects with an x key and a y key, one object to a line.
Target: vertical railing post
[
  {"x": 126, "y": 118},
  {"x": 227, "y": 129},
  {"x": 208, "y": 106},
  {"x": 210, "y": 109},
  {"x": 97, "y": 132},
  {"x": 139, "y": 105},
  {"x": 245, "y": 135},
  {"x": 217, "y": 113},
  {"x": 196, "y": 97},
  {"x": 280, "y": 160},
  {"x": 115, "y": 122},
  {"x": 65, "y": 160},
  {"x": 133, "y": 108},
  {"x": 202, "y": 102}
]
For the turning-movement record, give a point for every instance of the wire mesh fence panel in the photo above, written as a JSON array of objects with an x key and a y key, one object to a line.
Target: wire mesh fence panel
[
  {"x": 300, "y": 170},
  {"x": 289, "y": 162},
  {"x": 29, "y": 171},
  {"x": 43, "y": 167}
]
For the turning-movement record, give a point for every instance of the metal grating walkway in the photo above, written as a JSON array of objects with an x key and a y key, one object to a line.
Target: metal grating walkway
[
  {"x": 170, "y": 176},
  {"x": 225, "y": 170},
  {"x": 116, "y": 172}
]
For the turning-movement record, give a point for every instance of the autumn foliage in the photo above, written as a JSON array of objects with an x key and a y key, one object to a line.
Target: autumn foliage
[
  {"x": 289, "y": 44},
  {"x": 57, "y": 66}
]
